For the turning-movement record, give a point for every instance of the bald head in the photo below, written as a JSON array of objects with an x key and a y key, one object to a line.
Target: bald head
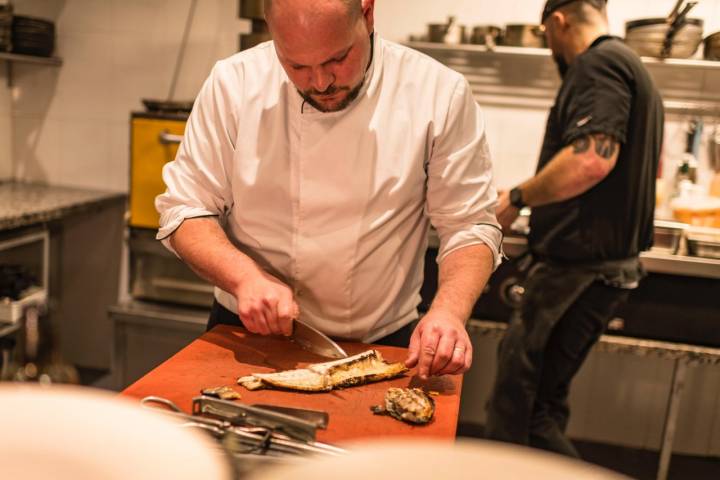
[
  {"x": 351, "y": 8},
  {"x": 323, "y": 46}
]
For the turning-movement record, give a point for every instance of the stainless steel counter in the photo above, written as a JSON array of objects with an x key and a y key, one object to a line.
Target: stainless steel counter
[{"x": 653, "y": 261}]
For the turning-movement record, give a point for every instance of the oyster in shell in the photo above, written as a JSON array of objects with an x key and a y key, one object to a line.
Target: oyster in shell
[
  {"x": 362, "y": 368},
  {"x": 411, "y": 405}
]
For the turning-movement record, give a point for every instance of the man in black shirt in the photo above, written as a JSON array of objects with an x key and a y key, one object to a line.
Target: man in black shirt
[{"x": 592, "y": 200}]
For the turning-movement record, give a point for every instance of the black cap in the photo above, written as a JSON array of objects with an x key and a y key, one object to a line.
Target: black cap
[{"x": 552, "y": 5}]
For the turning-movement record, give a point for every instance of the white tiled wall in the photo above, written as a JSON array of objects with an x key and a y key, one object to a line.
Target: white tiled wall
[{"x": 71, "y": 123}]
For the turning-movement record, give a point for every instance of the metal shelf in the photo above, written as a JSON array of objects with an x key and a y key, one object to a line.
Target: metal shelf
[
  {"x": 518, "y": 77},
  {"x": 10, "y": 58},
  {"x": 464, "y": 47},
  {"x": 545, "y": 52}
]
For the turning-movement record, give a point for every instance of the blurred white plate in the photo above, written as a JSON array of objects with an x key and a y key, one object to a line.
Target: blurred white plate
[
  {"x": 63, "y": 432},
  {"x": 428, "y": 460}
]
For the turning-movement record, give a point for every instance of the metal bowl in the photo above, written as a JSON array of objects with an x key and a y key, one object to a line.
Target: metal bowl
[
  {"x": 703, "y": 242},
  {"x": 647, "y": 37},
  {"x": 712, "y": 47},
  {"x": 667, "y": 236},
  {"x": 524, "y": 35}
]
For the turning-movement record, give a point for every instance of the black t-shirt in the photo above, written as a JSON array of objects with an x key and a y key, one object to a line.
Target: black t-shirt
[{"x": 606, "y": 90}]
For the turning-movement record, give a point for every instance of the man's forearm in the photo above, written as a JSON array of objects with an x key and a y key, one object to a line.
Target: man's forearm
[
  {"x": 463, "y": 275},
  {"x": 203, "y": 245},
  {"x": 573, "y": 171}
]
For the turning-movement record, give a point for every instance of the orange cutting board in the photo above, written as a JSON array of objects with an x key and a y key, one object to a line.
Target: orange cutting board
[{"x": 225, "y": 353}]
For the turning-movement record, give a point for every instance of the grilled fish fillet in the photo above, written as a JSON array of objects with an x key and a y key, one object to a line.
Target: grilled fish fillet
[
  {"x": 362, "y": 368},
  {"x": 410, "y": 405}
]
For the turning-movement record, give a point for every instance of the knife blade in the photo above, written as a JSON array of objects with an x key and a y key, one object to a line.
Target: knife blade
[{"x": 315, "y": 341}]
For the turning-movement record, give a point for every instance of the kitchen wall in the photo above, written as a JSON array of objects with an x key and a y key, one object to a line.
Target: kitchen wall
[{"x": 70, "y": 122}]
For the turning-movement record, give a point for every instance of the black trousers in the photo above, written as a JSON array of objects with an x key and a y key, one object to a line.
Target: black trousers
[
  {"x": 221, "y": 315},
  {"x": 563, "y": 314}
]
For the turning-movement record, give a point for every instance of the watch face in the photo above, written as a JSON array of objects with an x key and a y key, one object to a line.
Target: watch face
[{"x": 516, "y": 198}]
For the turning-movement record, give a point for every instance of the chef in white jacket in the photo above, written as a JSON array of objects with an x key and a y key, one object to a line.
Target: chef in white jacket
[{"x": 311, "y": 169}]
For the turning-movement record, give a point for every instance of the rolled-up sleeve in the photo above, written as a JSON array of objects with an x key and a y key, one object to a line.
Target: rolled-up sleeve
[
  {"x": 461, "y": 196},
  {"x": 197, "y": 180}
]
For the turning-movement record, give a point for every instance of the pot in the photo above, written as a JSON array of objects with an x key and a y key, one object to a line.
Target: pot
[
  {"x": 712, "y": 47},
  {"x": 449, "y": 32},
  {"x": 649, "y": 37},
  {"x": 524, "y": 35},
  {"x": 675, "y": 36},
  {"x": 489, "y": 35}
]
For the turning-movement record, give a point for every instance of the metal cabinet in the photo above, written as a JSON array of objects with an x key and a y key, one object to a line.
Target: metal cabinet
[{"x": 148, "y": 334}]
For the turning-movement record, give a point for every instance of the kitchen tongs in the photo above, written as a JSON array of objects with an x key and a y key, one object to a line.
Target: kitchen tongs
[
  {"x": 242, "y": 415},
  {"x": 240, "y": 440}
]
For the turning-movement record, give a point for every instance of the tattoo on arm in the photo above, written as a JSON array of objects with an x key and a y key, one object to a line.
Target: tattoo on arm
[
  {"x": 605, "y": 145},
  {"x": 581, "y": 145}
]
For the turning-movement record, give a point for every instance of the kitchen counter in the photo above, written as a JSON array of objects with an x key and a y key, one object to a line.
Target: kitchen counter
[
  {"x": 225, "y": 353},
  {"x": 24, "y": 204},
  {"x": 691, "y": 355},
  {"x": 653, "y": 261},
  {"x": 683, "y": 357}
]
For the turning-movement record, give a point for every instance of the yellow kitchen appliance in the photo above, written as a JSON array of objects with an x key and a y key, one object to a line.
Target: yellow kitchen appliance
[
  {"x": 154, "y": 141},
  {"x": 156, "y": 274}
]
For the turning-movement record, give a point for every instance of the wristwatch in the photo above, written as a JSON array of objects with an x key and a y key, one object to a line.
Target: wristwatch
[{"x": 516, "y": 199}]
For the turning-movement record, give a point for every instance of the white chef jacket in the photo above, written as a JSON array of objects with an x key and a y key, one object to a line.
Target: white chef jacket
[{"x": 337, "y": 205}]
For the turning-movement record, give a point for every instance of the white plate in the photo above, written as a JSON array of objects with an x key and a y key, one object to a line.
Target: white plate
[{"x": 63, "y": 432}]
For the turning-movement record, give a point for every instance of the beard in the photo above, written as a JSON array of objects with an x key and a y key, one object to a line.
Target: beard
[
  {"x": 561, "y": 64},
  {"x": 331, "y": 90}
]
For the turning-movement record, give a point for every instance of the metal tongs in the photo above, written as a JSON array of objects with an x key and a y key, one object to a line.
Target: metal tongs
[
  {"x": 676, "y": 20},
  {"x": 243, "y": 430},
  {"x": 239, "y": 414}
]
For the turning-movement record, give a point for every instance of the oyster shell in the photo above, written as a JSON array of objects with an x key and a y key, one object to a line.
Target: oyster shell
[
  {"x": 224, "y": 392},
  {"x": 359, "y": 369},
  {"x": 411, "y": 405}
]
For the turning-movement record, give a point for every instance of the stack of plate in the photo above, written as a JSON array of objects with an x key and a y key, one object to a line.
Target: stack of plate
[
  {"x": 5, "y": 27},
  {"x": 33, "y": 36}
]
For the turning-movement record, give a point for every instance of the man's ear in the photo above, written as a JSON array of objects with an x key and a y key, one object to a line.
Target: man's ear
[
  {"x": 559, "y": 21},
  {"x": 368, "y": 10}
]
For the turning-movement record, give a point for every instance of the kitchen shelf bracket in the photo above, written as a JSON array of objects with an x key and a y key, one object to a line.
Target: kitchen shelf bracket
[{"x": 10, "y": 58}]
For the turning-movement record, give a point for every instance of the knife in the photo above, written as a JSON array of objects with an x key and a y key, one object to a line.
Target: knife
[{"x": 315, "y": 341}]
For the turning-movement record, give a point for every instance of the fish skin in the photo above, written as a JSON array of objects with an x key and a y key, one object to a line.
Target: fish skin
[{"x": 359, "y": 369}]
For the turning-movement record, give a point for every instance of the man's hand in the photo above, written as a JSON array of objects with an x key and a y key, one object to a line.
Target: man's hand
[
  {"x": 440, "y": 345},
  {"x": 506, "y": 213},
  {"x": 266, "y": 305}
]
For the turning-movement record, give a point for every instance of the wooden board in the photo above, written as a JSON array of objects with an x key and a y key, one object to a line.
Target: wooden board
[{"x": 222, "y": 355}]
